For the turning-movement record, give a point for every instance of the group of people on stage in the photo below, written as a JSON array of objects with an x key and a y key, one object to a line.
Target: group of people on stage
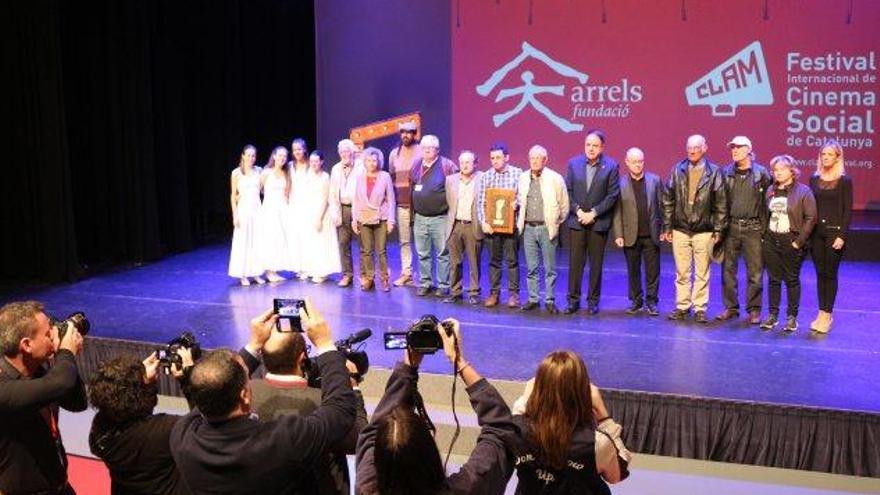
[{"x": 308, "y": 219}]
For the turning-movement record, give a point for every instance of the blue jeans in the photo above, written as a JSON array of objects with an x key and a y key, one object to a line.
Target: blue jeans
[
  {"x": 430, "y": 235},
  {"x": 537, "y": 242}
]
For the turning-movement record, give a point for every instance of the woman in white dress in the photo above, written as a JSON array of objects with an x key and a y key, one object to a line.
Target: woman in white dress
[
  {"x": 272, "y": 233},
  {"x": 297, "y": 207},
  {"x": 244, "y": 257},
  {"x": 321, "y": 247}
]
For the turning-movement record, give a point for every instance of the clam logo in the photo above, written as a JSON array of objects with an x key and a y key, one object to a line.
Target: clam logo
[
  {"x": 740, "y": 80},
  {"x": 529, "y": 91}
]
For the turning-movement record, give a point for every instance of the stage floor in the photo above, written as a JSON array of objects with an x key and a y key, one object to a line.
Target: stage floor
[{"x": 191, "y": 291}]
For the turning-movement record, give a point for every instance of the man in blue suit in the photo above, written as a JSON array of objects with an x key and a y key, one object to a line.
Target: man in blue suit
[{"x": 593, "y": 184}]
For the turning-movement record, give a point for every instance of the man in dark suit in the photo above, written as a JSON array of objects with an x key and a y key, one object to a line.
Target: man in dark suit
[
  {"x": 638, "y": 222},
  {"x": 593, "y": 184}
]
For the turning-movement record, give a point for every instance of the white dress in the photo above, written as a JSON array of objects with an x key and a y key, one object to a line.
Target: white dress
[
  {"x": 272, "y": 231},
  {"x": 244, "y": 257},
  {"x": 297, "y": 210},
  {"x": 321, "y": 246}
]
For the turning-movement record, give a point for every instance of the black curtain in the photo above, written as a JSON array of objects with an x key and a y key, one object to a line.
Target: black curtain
[{"x": 128, "y": 117}]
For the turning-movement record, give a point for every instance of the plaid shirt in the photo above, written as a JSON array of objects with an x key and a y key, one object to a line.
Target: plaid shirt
[{"x": 494, "y": 180}]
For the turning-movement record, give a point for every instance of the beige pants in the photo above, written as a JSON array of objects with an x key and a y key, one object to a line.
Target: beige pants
[
  {"x": 697, "y": 250},
  {"x": 404, "y": 233}
]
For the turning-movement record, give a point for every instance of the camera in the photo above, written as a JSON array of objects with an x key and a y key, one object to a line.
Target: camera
[
  {"x": 79, "y": 321},
  {"x": 168, "y": 354},
  {"x": 422, "y": 336},
  {"x": 288, "y": 309},
  {"x": 352, "y": 348}
]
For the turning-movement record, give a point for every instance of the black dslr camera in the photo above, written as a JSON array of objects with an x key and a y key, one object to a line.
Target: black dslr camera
[
  {"x": 422, "y": 336},
  {"x": 80, "y": 323},
  {"x": 168, "y": 354},
  {"x": 352, "y": 348}
]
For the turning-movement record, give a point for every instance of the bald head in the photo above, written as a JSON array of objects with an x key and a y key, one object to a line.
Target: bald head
[
  {"x": 283, "y": 353},
  {"x": 696, "y": 148},
  {"x": 217, "y": 383},
  {"x": 635, "y": 163}
]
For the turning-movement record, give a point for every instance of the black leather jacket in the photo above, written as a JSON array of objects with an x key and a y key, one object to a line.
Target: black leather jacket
[{"x": 709, "y": 211}]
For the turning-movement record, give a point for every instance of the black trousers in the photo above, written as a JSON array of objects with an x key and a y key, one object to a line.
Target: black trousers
[
  {"x": 586, "y": 243},
  {"x": 783, "y": 264},
  {"x": 643, "y": 249},
  {"x": 345, "y": 235},
  {"x": 743, "y": 239},
  {"x": 826, "y": 259},
  {"x": 503, "y": 247}
]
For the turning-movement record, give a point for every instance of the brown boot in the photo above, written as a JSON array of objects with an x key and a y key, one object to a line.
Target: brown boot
[
  {"x": 345, "y": 281},
  {"x": 492, "y": 300},
  {"x": 366, "y": 283},
  {"x": 402, "y": 280},
  {"x": 386, "y": 286}
]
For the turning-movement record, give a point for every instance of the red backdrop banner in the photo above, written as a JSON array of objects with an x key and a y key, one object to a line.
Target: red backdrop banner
[{"x": 786, "y": 73}]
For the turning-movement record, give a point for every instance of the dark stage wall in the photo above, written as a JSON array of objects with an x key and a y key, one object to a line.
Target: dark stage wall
[
  {"x": 128, "y": 116},
  {"x": 380, "y": 58}
]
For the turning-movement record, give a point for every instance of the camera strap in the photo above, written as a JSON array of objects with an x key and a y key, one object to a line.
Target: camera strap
[{"x": 419, "y": 404}]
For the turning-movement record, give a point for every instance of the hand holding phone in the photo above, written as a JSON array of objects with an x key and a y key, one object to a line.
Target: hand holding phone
[{"x": 288, "y": 309}]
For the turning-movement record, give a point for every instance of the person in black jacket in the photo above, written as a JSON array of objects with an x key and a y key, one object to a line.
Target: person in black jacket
[
  {"x": 219, "y": 448},
  {"x": 694, "y": 217},
  {"x": 833, "y": 191},
  {"x": 396, "y": 453},
  {"x": 746, "y": 183},
  {"x": 791, "y": 218},
  {"x": 131, "y": 440},
  {"x": 593, "y": 184},
  {"x": 285, "y": 390},
  {"x": 567, "y": 443},
  {"x": 32, "y": 387}
]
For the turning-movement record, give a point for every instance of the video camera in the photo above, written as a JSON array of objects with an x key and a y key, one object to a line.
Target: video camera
[
  {"x": 79, "y": 321},
  {"x": 422, "y": 336},
  {"x": 168, "y": 354},
  {"x": 352, "y": 348}
]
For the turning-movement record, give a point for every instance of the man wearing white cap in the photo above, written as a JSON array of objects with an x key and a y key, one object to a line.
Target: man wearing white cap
[
  {"x": 746, "y": 184},
  {"x": 400, "y": 163}
]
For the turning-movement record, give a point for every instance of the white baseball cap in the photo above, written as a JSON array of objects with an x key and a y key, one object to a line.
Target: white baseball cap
[{"x": 740, "y": 141}]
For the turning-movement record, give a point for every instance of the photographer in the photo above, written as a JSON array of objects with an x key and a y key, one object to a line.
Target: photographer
[
  {"x": 32, "y": 387},
  {"x": 131, "y": 440},
  {"x": 285, "y": 390},
  {"x": 219, "y": 448},
  {"x": 397, "y": 454}
]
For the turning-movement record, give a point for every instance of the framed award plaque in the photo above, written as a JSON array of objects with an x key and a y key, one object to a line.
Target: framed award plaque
[{"x": 499, "y": 214}]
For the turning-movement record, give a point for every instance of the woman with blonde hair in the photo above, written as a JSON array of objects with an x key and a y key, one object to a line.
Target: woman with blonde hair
[
  {"x": 567, "y": 441},
  {"x": 790, "y": 221},
  {"x": 833, "y": 191},
  {"x": 245, "y": 186},
  {"x": 273, "y": 227}
]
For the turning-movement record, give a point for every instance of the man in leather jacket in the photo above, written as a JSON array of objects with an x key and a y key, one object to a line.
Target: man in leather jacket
[{"x": 694, "y": 218}]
